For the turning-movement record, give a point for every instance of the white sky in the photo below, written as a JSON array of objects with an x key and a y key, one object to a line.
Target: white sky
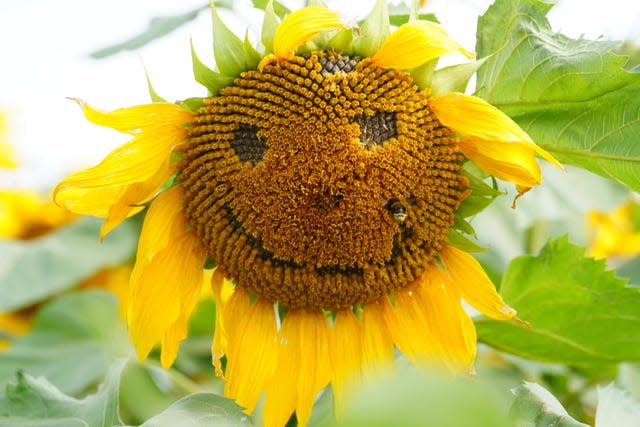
[{"x": 45, "y": 45}]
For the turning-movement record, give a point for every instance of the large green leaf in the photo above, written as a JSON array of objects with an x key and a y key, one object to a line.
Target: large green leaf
[
  {"x": 36, "y": 402},
  {"x": 201, "y": 410},
  {"x": 577, "y": 312},
  {"x": 33, "y": 270},
  {"x": 574, "y": 97},
  {"x": 73, "y": 341}
]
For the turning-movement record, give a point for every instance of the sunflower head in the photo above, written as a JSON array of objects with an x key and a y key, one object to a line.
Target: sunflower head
[{"x": 321, "y": 176}]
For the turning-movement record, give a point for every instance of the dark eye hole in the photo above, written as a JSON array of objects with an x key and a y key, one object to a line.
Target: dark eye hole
[
  {"x": 342, "y": 64},
  {"x": 247, "y": 144},
  {"x": 377, "y": 129}
]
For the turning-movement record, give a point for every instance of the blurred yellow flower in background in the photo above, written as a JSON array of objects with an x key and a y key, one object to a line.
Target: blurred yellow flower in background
[
  {"x": 7, "y": 153},
  {"x": 616, "y": 233}
]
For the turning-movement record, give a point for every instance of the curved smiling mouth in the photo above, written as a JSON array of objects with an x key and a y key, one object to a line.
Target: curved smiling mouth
[{"x": 399, "y": 247}]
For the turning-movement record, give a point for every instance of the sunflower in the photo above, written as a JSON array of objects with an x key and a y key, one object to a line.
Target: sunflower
[
  {"x": 616, "y": 233},
  {"x": 326, "y": 181},
  {"x": 7, "y": 155}
]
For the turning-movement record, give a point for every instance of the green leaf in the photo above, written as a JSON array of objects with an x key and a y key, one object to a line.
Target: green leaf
[
  {"x": 73, "y": 341},
  {"x": 574, "y": 97},
  {"x": 228, "y": 49},
  {"x": 400, "y": 13},
  {"x": 280, "y": 10},
  {"x": 158, "y": 27},
  {"x": 616, "y": 408},
  {"x": 269, "y": 25},
  {"x": 40, "y": 402},
  {"x": 374, "y": 30},
  {"x": 534, "y": 406},
  {"x": 206, "y": 76},
  {"x": 201, "y": 410},
  {"x": 33, "y": 270},
  {"x": 481, "y": 195},
  {"x": 457, "y": 239},
  {"x": 413, "y": 400},
  {"x": 578, "y": 313}
]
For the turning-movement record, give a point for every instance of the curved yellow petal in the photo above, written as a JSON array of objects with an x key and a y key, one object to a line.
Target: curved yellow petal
[
  {"x": 158, "y": 128},
  {"x": 133, "y": 198},
  {"x": 449, "y": 323},
  {"x": 222, "y": 292},
  {"x": 377, "y": 342},
  {"x": 247, "y": 372},
  {"x": 137, "y": 118},
  {"x": 468, "y": 277},
  {"x": 166, "y": 280},
  {"x": 480, "y": 121},
  {"x": 408, "y": 324},
  {"x": 304, "y": 368},
  {"x": 514, "y": 162},
  {"x": 415, "y": 43},
  {"x": 346, "y": 357},
  {"x": 301, "y": 26}
]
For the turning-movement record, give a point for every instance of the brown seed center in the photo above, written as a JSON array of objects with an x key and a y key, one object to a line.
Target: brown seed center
[{"x": 321, "y": 182}]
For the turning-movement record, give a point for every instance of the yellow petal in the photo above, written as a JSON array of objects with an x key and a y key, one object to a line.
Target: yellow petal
[
  {"x": 139, "y": 117},
  {"x": 301, "y": 26},
  {"x": 167, "y": 277},
  {"x": 158, "y": 129},
  {"x": 129, "y": 203},
  {"x": 219, "y": 343},
  {"x": 411, "y": 331},
  {"x": 252, "y": 326},
  {"x": 475, "y": 118},
  {"x": 468, "y": 277},
  {"x": 415, "y": 43},
  {"x": 513, "y": 162},
  {"x": 377, "y": 343},
  {"x": 346, "y": 357},
  {"x": 164, "y": 220},
  {"x": 448, "y": 322},
  {"x": 303, "y": 368}
]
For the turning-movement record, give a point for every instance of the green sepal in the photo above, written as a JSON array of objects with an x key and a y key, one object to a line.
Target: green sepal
[
  {"x": 374, "y": 30},
  {"x": 228, "y": 49},
  {"x": 269, "y": 26},
  {"x": 252, "y": 56},
  {"x": 152, "y": 92},
  {"x": 400, "y": 14},
  {"x": 320, "y": 3},
  {"x": 343, "y": 42},
  {"x": 463, "y": 225},
  {"x": 423, "y": 75},
  {"x": 454, "y": 78},
  {"x": 456, "y": 239},
  {"x": 192, "y": 104},
  {"x": 210, "y": 264},
  {"x": 206, "y": 76},
  {"x": 481, "y": 195},
  {"x": 280, "y": 10}
]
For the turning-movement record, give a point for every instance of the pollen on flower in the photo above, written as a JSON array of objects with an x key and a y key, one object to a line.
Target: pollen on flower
[{"x": 288, "y": 173}]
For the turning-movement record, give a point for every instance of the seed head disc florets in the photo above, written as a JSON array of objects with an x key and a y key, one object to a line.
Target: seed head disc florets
[{"x": 288, "y": 176}]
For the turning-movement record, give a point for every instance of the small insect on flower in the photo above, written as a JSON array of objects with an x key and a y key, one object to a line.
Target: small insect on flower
[{"x": 397, "y": 209}]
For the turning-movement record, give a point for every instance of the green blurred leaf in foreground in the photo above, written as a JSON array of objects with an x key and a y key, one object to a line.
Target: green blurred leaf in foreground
[
  {"x": 73, "y": 341},
  {"x": 35, "y": 402},
  {"x": 574, "y": 97},
  {"x": 33, "y": 270},
  {"x": 534, "y": 406},
  {"x": 201, "y": 410},
  {"x": 579, "y": 313},
  {"x": 415, "y": 400}
]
